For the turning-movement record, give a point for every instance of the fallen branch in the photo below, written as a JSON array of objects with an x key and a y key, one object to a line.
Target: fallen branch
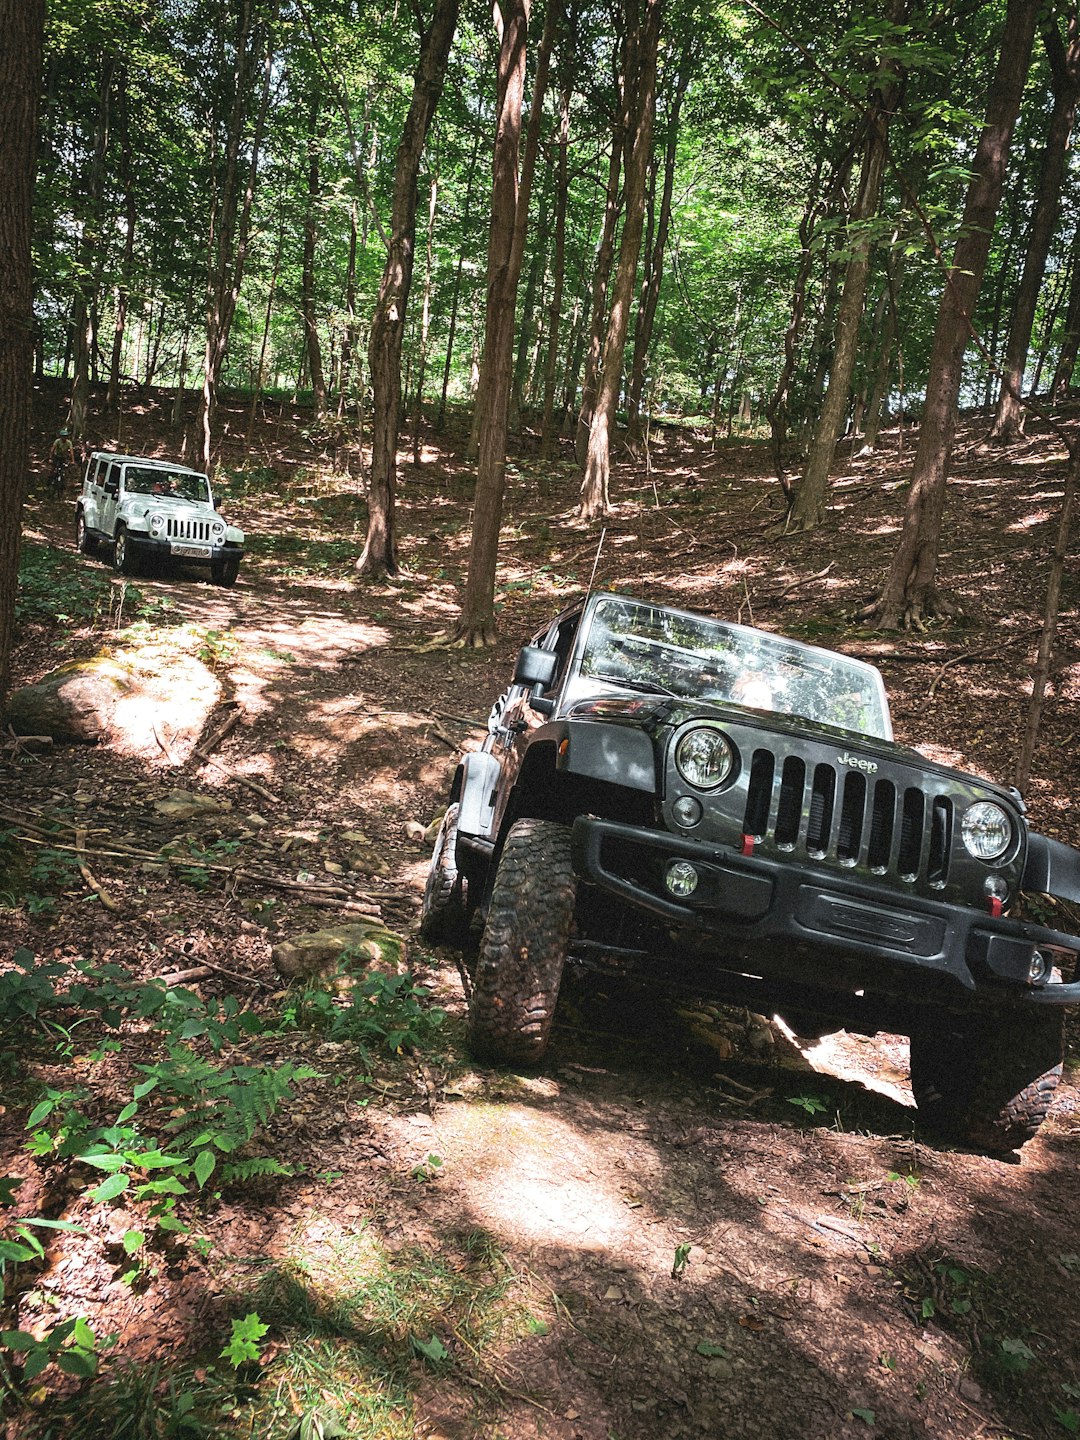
[
  {"x": 87, "y": 874},
  {"x": 202, "y": 751},
  {"x": 797, "y": 584}
]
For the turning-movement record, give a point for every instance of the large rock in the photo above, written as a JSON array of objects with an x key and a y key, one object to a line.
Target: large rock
[
  {"x": 151, "y": 702},
  {"x": 340, "y": 954}
]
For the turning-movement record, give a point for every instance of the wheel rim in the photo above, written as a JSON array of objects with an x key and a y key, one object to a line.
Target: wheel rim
[{"x": 121, "y": 550}]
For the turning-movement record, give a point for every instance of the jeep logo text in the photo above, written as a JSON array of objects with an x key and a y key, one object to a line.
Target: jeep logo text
[{"x": 857, "y": 763}]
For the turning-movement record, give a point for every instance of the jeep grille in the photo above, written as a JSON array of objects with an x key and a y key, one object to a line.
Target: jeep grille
[
  {"x": 179, "y": 528},
  {"x": 831, "y": 812}
]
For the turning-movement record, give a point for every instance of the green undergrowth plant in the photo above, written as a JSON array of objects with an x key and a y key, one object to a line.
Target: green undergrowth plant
[
  {"x": 389, "y": 1012},
  {"x": 56, "y": 589}
]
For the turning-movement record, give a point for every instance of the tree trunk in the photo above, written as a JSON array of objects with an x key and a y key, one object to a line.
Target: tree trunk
[
  {"x": 425, "y": 318},
  {"x": 594, "y": 485},
  {"x": 124, "y": 288},
  {"x": 883, "y": 370},
  {"x": 910, "y": 592},
  {"x": 605, "y": 257},
  {"x": 808, "y": 509},
  {"x": 476, "y": 624},
  {"x": 379, "y": 557},
  {"x": 1070, "y": 342},
  {"x": 1065, "y": 71},
  {"x": 229, "y": 231},
  {"x": 83, "y": 311},
  {"x": 548, "y": 431},
  {"x": 456, "y": 300},
  {"x": 308, "y": 307},
  {"x": 349, "y": 343},
  {"x": 654, "y": 252},
  {"x": 259, "y": 379},
  {"x": 22, "y": 24}
]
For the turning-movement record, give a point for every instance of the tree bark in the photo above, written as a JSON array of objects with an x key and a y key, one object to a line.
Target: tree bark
[
  {"x": 83, "y": 309},
  {"x": 808, "y": 509},
  {"x": 307, "y": 277},
  {"x": 654, "y": 252},
  {"x": 22, "y": 24},
  {"x": 594, "y": 485},
  {"x": 230, "y": 226},
  {"x": 910, "y": 593},
  {"x": 1070, "y": 342},
  {"x": 476, "y": 624},
  {"x": 379, "y": 557},
  {"x": 548, "y": 431},
  {"x": 605, "y": 258},
  {"x": 130, "y": 217},
  {"x": 456, "y": 300},
  {"x": 1064, "y": 60}
]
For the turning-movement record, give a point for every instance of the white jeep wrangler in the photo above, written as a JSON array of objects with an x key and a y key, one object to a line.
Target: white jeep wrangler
[{"x": 141, "y": 508}]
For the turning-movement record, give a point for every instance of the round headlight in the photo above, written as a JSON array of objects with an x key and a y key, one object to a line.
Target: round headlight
[
  {"x": 157, "y": 523},
  {"x": 704, "y": 757},
  {"x": 218, "y": 531},
  {"x": 986, "y": 830}
]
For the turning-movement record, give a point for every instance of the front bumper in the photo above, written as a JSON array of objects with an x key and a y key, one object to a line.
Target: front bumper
[
  {"x": 194, "y": 552},
  {"x": 753, "y": 903}
]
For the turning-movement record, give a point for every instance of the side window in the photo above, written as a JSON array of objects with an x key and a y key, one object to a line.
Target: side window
[
  {"x": 562, "y": 643},
  {"x": 110, "y": 477}
]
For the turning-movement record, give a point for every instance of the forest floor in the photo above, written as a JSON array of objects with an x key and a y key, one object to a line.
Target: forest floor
[{"x": 681, "y": 1225}]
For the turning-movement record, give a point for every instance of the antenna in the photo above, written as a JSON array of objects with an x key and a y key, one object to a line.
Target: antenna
[{"x": 596, "y": 562}]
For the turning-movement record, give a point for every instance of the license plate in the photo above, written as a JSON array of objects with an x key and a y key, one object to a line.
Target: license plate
[{"x": 197, "y": 552}]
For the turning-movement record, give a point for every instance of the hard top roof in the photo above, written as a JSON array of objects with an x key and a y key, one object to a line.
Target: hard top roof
[{"x": 145, "y": 460}]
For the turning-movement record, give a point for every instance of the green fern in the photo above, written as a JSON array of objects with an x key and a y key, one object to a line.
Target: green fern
[{"x": 239, "y": 1172}]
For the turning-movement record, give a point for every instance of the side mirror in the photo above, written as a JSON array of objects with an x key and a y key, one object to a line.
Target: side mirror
[{"x": 535, "y": 666}]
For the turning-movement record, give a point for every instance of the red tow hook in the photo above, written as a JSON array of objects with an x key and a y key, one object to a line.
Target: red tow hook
[
  {"x": 748, "y": 843},
  {"x": 995, "y": 906}
]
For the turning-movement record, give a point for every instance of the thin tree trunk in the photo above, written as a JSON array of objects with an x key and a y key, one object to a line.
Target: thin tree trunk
[
  {"x": 1070, "y": 342},
  {"x": 260, "y": 372},
  {"x": 425, "y": 318},
  {"x": 456, "y": 300},
  {"x": 22, "y": 24},
  {"x": 808, "y": 509},
  {"x": 476, "y": 624},
  {"x": 86, "y": 269},
  {"x": 910, "y": 591},
  {"x": 594, "y": 485},
  {"x": 124, "y": 288},
  {"x": 548, "y": 431},
  {"x": 654, "y": 251},
  {"x": 308, "y": 307},
  {"x": 605, "y": 258},
  {"x": 379, "y": 557},
  {"x": 1065, "y": 69},
  {"x": 883, "y": 369},
  {"x": 348, "y": 345}
]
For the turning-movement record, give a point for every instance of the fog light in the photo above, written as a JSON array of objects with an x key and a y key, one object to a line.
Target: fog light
[
  {"x": 996, "y": 887},
  {"x": 681, "y": 879},
  {"x": 687, "y": 811},
  {"x": 1038, "y": 968}
]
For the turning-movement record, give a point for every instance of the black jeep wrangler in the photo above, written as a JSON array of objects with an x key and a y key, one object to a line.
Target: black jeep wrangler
[{"x": 724, "y": 810}]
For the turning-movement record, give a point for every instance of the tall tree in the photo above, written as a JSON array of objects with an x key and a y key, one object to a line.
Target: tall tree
[
  {"x": 910, "y": 594},
  {"x": 476, "y": 623},
  {"x": 22, "y": 23},
  {"x": 808, "y": 509},
  {"x": 646, "y": 37},
  {"x": 1064, "y": 57},
  {"x": 379, "y": 556}
]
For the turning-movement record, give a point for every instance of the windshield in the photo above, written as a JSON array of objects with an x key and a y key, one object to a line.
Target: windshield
[
  {"x": 180, "y": 484},
  {"x": 641, "y": 647}
]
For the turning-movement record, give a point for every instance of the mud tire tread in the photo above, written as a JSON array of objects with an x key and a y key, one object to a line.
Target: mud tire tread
[
  {"x": 988, "y": 1083},
  {"x": 444, "y": 917},
  {"x": 523, "y": 949}
]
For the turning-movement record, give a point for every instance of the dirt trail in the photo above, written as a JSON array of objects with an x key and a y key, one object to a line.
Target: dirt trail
[{"x": 715, "y": 1234}]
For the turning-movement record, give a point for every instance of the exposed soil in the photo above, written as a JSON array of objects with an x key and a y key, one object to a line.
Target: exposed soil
[{"x": 845, "y": 1274}]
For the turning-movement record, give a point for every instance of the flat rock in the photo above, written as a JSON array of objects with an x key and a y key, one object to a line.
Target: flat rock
[{"x": 341, "y": 953}]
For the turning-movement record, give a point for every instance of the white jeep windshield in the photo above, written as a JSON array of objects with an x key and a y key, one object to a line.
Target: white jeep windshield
[
  {"x": 180, "y": 484},
  {"x": 642, "y": 647}
]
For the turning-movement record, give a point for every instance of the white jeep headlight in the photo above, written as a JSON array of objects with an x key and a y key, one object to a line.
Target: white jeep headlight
[
  {"x": 704, "y": 757},
  {"x": 157, "y": 523},
  {"x": 218, "y": 531},
  {"x": 986, "y": 830}
]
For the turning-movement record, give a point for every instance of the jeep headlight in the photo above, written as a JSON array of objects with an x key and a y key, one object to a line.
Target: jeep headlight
[
  {"x": 156, "y": 523},
  {"x": 704, "y": 757},
  {"x": 986, "y": 830},
  {"x": 218, "y": 531}
]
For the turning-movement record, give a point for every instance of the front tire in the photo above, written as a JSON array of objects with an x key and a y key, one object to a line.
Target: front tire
[
  {"x": 83, "y": 542},
  {"x": 123, "y": 554},
  {"x": 523, "y": 948},
  {"x": 444, "y": 916},
  {"x": 987, "y": 1081},
  {"x": 224, "y": 572}
]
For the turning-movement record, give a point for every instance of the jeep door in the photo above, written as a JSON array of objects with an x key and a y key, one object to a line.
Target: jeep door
[{"x": 108, "y": 496}]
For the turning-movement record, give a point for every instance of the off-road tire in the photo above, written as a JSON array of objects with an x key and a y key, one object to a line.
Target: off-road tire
[
  {"x": 523, "y": 948},
  {"x": 444, "y": 916},
  {"x": 224, "y": 572},
  {"x": 123, "y": 554},
  {"x": 83, "y": 543},
  {"x": 987, "y": 1081}
]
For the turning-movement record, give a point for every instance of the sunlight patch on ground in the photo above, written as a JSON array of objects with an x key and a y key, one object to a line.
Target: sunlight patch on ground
[
  {"x": 502, "y": 1161},
  {"x": 1037, "y": 517}
]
